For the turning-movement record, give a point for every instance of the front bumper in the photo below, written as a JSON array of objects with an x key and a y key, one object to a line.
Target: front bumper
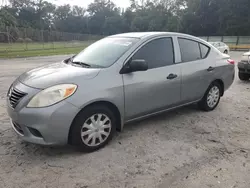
[
  {"x": 44, "y": 126},
  {"x": 244, "y": 67}
]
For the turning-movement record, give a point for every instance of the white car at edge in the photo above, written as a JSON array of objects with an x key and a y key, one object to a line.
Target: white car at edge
[{"x": 221, "y": 46}]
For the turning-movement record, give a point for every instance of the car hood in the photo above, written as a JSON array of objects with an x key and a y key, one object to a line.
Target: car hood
[
  {"x": 247, "y": 54},
  {"x": 57, "y": 73}
]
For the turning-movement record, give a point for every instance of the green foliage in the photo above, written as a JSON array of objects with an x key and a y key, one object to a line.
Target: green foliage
[
  {"x": 103, "y": 17},
  {"x": 41, "y": 49},
  {"x": 6, "y": 18}
]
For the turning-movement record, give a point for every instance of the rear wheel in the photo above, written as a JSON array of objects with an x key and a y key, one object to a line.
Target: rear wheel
[
  {"x": 211, "y": 98},
  {"x": 93, "y": 128},
  {"x": 244, "y": 76}
]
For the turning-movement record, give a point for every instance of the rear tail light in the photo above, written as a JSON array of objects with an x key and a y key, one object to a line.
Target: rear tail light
[{"x": 231, "y": 61}]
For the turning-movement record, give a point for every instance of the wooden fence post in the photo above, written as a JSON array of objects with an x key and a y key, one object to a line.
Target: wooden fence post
[{"x": 237, "y": 42}]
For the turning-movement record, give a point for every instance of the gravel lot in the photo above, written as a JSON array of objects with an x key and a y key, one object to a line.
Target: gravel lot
[{"x": 185, "y": 148}]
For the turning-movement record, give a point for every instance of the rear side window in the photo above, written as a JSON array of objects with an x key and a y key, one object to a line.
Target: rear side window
[
  {"x": 204, "y": 50},
  {"x": 157, "y": 53},
  {"x": 190, "y": 50}
]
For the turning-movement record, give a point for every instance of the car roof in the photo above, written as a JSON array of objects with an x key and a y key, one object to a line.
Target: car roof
[
  {"x": 247, "y": 53},
  {"x": 148, "y": 34}
]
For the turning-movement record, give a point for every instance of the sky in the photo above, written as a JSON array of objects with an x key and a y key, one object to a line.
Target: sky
[{"x": 85, "y": 3}]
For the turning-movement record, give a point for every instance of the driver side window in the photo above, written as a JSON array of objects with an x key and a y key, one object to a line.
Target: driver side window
[{"x": 157, "y": 53}]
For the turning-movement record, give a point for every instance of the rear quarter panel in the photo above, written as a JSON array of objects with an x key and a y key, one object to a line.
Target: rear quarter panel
[{"x": 224, "y": 71}]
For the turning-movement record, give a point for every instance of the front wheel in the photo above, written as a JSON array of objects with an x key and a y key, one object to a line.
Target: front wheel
[
  {"x": 211, "y": 98},
  {"x": 93, "y": 128},
  {"x": 243, "y": 76}
]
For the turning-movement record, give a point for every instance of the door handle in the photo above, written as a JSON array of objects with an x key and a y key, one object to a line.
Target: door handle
[
  {"x": 210, "y": 69},
  {"x": 172, "y": 76}
]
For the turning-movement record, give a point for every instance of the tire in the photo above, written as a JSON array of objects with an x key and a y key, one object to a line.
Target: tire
[
  {"x": 225, "y": 52},
  {"x": 204, "y": 103},
  {"x": 243, "y": 76},
  {"x": 84, "y": 124}
]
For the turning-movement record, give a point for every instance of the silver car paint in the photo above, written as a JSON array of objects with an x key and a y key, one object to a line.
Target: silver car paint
[
  {"x": 52, "y": 122},
  {"x": 56, "y": 73},
  {"x": 135, "y": 95}
]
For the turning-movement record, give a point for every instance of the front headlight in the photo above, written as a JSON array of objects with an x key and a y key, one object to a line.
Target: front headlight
[{"x": 52, "y": 95}]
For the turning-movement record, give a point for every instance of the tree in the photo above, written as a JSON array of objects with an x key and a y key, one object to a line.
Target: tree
[
  {"x": 6, "y": 18},
  {"x": 102, "y": 14},
  {"x": 103, "y": 17},
  {"x": 79, "y": 11}
]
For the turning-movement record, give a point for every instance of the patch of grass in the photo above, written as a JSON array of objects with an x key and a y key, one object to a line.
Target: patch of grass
[
  {"x": 39, "y": 49},
  {"x": 58, "y": 51}
]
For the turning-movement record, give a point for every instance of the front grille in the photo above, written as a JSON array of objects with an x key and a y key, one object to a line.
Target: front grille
[{"x": 15, "y": 96}]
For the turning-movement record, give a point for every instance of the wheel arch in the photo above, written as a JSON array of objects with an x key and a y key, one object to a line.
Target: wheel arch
[
  {"x": 221, "y": 83},
  {"x": 110, "y": 105}
]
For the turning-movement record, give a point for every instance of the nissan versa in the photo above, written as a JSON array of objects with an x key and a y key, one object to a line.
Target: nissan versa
[{"x": 84, "y": 99}]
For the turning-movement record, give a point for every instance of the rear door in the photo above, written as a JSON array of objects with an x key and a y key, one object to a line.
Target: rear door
[
  {"x": 157, "y": 88},
  {"x": 196, "y": 68}
]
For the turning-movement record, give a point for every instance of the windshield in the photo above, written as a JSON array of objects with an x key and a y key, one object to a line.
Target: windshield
[{"x": 105, "y": 52}]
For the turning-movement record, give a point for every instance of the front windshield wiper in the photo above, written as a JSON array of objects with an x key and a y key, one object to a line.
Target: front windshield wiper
[{"x": 81, "y": 64}]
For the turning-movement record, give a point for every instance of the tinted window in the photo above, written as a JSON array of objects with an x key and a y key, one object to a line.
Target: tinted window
[
  {"x": 157, "y": 53},
  {"x": 105, "y": 52},
  {"x": 204, "y": 50},
  {"x": 190, "y": 50}
]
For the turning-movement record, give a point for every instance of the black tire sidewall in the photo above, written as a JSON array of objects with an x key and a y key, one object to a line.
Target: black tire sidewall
[
  {"x": 79, "y": 121},
  {"x": 243, "y": 76},
  {"x": 203, "y": 103}
]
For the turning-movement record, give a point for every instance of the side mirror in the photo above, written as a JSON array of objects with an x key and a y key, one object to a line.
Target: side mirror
[
  {"x": 68, "y": 59},
  {"x": 135, "y": 66}
]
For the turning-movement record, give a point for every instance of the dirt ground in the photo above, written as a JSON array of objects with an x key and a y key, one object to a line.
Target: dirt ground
[{"x": 185, "y": 148}]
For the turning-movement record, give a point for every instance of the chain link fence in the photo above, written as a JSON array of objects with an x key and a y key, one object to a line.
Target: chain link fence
[
  {"x": 234, "y": 42},
  {"x": 14, "y": 41}
]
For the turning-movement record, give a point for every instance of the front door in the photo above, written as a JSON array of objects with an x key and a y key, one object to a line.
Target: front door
[{"x": 157, "y": 88}]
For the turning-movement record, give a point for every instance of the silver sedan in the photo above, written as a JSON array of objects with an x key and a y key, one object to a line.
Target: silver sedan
[{"x": 83, "y": 100}]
